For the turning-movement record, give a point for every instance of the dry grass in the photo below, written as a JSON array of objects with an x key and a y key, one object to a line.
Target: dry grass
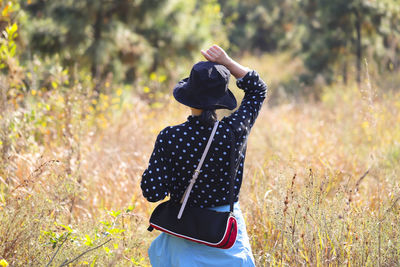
[
  {"x": 321, "y": 183},
  {"x": 341, "y": 208}
]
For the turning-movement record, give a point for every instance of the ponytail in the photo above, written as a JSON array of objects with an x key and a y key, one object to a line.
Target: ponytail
[{"x": 208, "y": 117}]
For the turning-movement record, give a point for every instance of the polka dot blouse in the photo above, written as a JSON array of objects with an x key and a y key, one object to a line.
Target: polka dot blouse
[{"x": 178, "y": 150}]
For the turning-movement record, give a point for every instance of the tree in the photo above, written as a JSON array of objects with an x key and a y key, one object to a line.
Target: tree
[
  {"x": 341, "y": 31},
  {"x": 263, "y": 25},
  {"x": 123, "y": 37}
]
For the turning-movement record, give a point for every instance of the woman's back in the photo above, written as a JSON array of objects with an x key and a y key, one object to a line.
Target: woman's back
[{"x": 178, "y": 150}]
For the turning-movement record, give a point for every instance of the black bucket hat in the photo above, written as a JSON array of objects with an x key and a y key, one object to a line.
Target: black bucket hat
[{"x": 206, "y": 87}]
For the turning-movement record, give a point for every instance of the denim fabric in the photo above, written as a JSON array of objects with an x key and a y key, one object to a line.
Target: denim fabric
[{"x": 170, "y": 251}]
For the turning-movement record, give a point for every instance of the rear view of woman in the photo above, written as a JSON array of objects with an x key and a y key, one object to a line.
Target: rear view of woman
[{"x": 178, "y": 150}]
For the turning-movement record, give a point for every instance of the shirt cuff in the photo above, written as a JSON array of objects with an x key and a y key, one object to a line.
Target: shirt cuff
[{"x": 250, "y": 77}]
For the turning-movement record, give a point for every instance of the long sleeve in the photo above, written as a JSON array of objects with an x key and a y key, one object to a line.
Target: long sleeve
[
  {"x": 255, "y": 93},
  {"x": 154, "y": 182}
]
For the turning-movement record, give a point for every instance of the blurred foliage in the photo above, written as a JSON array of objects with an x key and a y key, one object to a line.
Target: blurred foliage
[
  {"x": 261, "y": 25},
  {"x": 83, "y": 95},
  {"x": 339, "y": 35},
  {"x": 332, "y": 37},
  {"x": 124, "y": 38},
  {"x": 123, "y": 41}
]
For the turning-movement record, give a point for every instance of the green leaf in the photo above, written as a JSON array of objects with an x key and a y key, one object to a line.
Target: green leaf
[
  {"x": 14, "y": 28},
  {"x": 12, "y": 50},
  {"x": 88, "y": 241},
  {"x": 108, "y": 224},
  {"x": 54, "y": 84},
  {"x": 66, "y": 227},
  {"x": 93, "y": 262},
  {"x": 115, "y": 213},
  {"x": 106, "y": 249},
  {"x": 130, "y": 208},
  {"x": 116, "y": 231}
]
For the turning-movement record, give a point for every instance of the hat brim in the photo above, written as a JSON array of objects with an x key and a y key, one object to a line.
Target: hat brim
[{"x": 183, "y": 96}]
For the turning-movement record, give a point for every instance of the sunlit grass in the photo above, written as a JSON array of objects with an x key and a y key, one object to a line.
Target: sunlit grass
[{"x": 320, "y": 188}]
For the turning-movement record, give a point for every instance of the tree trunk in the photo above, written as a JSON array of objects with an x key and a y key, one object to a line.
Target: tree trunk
[
  {"x": 97, "y": 28},
  {"x": 358, "y": 45}
]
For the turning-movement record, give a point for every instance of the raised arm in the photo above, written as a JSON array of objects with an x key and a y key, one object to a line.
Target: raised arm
[
  {"x": 218, "y": 55},
  {"x": 255, "y": 89}
]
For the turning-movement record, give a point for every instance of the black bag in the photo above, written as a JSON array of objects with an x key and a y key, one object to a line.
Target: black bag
[
  {"x": 209, "y": 227},
  {"x": 201, "y": 225}
]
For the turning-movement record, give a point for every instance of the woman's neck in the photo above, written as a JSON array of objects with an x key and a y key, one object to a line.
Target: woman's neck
[{"x": 196, "y": 112}]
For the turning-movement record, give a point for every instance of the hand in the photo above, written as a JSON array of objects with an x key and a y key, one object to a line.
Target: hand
[{"x": 217, "y": 55}]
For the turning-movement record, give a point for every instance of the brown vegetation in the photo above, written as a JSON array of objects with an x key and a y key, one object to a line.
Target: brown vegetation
[{"x": 321, "y": 178}]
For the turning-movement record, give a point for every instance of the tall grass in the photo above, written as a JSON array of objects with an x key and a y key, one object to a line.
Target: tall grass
[
  {"x": 342, "y": 207},
  {"x": 320, "y": 187}
]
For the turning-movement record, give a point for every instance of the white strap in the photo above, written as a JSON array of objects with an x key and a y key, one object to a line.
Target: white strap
[{"x": 197, "y": 171}]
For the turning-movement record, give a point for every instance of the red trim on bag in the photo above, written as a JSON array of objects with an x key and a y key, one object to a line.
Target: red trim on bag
[
  {"x": 227, "y": 241},
  {"x": 230, "y": 239}
]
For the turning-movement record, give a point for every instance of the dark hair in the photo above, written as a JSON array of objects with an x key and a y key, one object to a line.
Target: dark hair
[{"x": 208, "y": 116}]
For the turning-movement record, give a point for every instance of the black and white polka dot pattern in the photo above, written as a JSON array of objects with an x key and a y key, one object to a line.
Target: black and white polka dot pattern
[{"x": 178, "y": 149}]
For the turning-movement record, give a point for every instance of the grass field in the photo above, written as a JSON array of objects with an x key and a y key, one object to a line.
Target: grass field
[{"x": 321, "y": 183}]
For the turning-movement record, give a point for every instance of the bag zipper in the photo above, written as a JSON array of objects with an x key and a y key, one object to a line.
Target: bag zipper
[{"x": 229, "y": 237}]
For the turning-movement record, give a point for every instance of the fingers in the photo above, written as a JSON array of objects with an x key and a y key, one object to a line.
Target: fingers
[
  {"x": 206, "y": 55},
  {"x": 212, "y": 53},
  {"x": 216, "y": 49},
  {"x": 215, "y": 54},
  {"x": 209, "y": 55}
]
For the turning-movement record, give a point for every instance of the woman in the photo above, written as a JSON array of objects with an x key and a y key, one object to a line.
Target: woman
[{"x": 178, "y": 150}]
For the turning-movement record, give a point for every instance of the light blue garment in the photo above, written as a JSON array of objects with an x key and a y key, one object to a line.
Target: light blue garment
[{"x": 170, "y": 251}]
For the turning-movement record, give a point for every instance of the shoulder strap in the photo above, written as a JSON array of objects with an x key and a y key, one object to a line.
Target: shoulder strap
[
  {"x": 233, "y": 170},
  {"x": 196, "y": 172}
]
